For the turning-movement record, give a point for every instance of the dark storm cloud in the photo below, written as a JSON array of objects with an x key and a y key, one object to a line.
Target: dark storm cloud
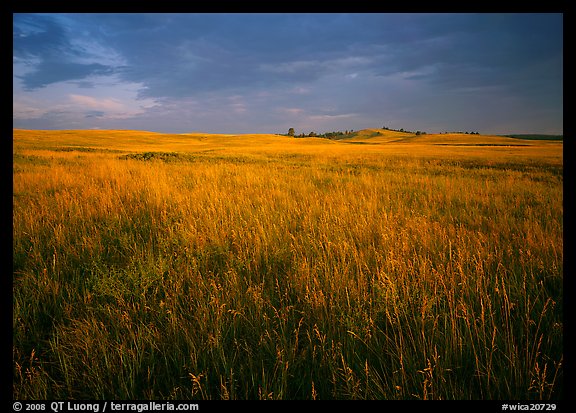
[
  {"x": 313, "y": 66},
  {"x": 184, "y": 55},
  {"x": 45, "y": 47},
  {"x": 477, "y": 50},
  {"x": 48, "y": 72},
  {"x": 180, "y": 55},
  {"x": 38, "y": 37}
]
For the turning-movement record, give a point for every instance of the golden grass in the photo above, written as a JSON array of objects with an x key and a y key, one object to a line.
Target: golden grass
[{"x": 261, "y": 266}]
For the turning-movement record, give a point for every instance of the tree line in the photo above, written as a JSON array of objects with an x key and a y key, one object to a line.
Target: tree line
[
  {"x": 349, "y": 133},
  {"x": 328, "y": 135}
]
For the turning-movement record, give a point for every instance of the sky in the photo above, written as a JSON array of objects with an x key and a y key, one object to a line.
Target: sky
[{"x": 265, "y": 73}]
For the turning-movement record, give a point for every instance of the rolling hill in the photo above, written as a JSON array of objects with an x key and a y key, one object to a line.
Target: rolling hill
[{"x": 127, "y": 139}]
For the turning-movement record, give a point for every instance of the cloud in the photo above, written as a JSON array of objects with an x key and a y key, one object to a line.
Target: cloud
[
  {"x": 223, "y": 71},
  {"x": 299, "y": 90},
  {"x": 291, "y": 68},
  {"x": 181, "y": 56},
  {"x": 99, "y": 104},
  {"x": 23, "y": 108},
  {"x": 48, "y": 72},
  {"x": 291, "y": 111},
  {"x": 94, "y": 114},
  {"x": 38, "y": 37},
  {"x": 332, "y": 117},
  {"x": 50, "y": 54}
]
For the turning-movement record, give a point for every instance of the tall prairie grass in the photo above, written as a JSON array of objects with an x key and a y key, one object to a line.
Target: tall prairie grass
[{"x": 305, "y": 270}]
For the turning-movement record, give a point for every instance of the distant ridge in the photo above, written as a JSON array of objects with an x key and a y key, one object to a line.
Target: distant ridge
[{"x": 535, "y": 136}]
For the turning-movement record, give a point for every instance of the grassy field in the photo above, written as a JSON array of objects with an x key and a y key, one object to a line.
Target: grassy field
[{"x": 196, "y": 266}]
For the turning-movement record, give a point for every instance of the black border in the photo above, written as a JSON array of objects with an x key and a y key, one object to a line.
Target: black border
[{"x": 290, "y": 6}]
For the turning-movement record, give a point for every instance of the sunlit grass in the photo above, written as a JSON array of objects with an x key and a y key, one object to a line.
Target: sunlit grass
[{"x": 262, "y": 266}]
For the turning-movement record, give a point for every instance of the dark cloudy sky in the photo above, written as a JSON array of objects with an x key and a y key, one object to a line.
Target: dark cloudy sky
[{"x": 265, "y": 73}]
